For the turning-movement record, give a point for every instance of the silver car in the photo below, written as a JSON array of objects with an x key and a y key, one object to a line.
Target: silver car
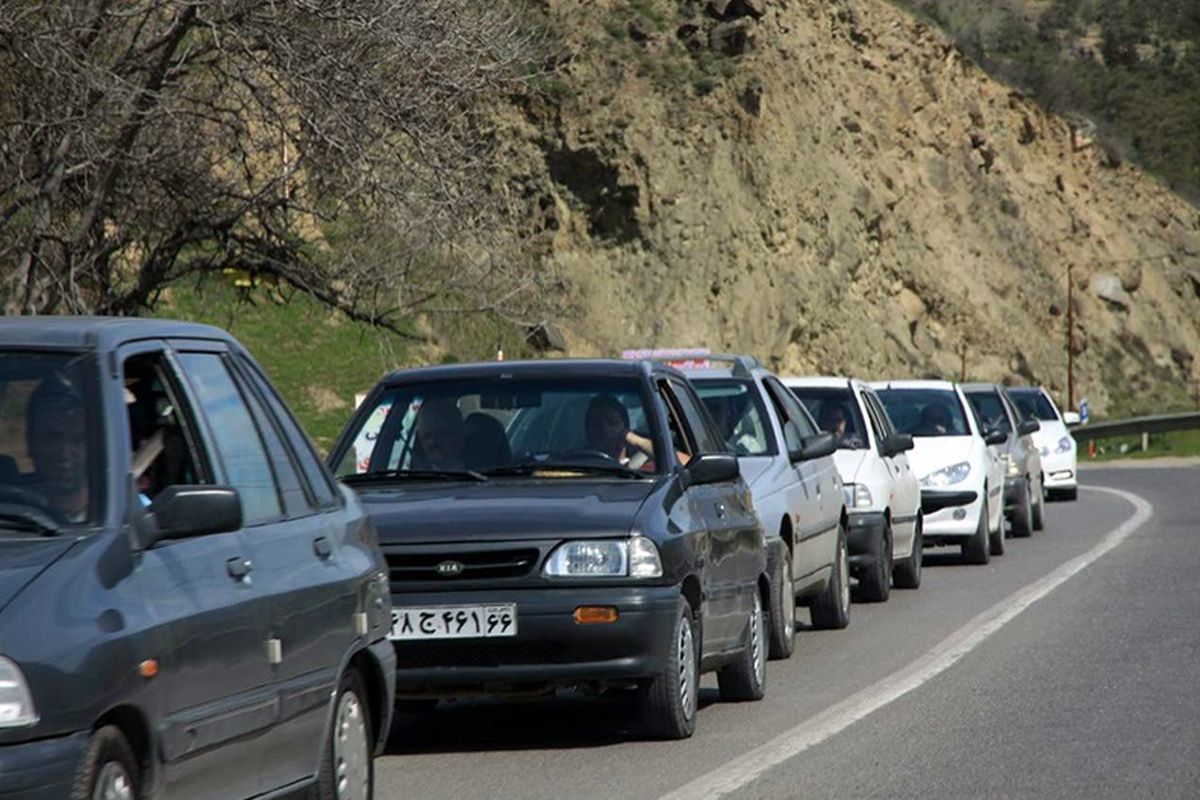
[
  {"x": 1023, "y": 494},
  {"x": 788, "y": 464}
]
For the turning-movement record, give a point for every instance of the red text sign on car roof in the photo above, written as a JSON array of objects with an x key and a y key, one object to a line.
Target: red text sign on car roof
[{"x": 679, "y": 358}]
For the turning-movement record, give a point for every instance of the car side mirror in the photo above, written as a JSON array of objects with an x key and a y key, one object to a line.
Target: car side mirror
[
  {"x": 1070, "y": 418},
  {"x": 995, "y": 437},
  {"x": 822, "y": 444},
  {"x": 712, "y": 468},
  {"x": 897, "y": 443},
  {"x": 181, "y": 512},
  {"x": 1029, "y": 426}
]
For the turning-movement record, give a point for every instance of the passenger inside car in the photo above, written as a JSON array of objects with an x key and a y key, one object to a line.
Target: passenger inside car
[
  {"x": 935, "y": 420},
  {"x": 440, "y": 437}
]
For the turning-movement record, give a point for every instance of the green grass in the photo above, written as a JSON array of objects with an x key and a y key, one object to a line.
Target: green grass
[
  {"x": 1176, "y": 443},
  {"x": 317, "y": 359}
]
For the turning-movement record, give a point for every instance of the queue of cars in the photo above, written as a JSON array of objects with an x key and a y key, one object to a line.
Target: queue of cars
[{"x": 184, "y": 584}]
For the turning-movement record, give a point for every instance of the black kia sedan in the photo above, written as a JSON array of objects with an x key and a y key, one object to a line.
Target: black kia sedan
[
  {"x": 190, "y": 605},
  {"x": 561, "y": 523}
]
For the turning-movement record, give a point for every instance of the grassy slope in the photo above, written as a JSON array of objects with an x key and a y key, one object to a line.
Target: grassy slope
[{"x": 316, "y": 359}]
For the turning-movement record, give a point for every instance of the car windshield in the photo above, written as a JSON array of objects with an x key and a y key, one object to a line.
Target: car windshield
[
  {"x": 558, "y": 427},
  {"x": 1033, "y": 405},
  {"x": 925, "y": 412},
  {"x": 737, "y": 408},
  {"x": 50, "y": 465},
  {"x": 836, "y": 412},
  {"x": 989, "y": 410}
]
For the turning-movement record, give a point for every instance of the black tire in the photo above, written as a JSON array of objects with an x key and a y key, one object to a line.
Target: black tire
[
  {"x": 831, "y": 608},
  {"x": 1022, "y": 518},
  {"x": 875, "y": 585},
  {"x": 781, "y": 622},
  {"x": 977, "y": 549},
  {"x": 1039, "y": 510},
  {"x": 746, "y": 679},
  {"x": 667, "y": 712},
  {"x": 351, "y": 722},
  {"x": 1070, "y": 494},
  {"x": 996, "y": 540},
  {"x": 108, "y": 757},
  {"x": 907, "y": 574}
]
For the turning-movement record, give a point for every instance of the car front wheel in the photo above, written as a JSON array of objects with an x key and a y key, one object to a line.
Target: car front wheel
[
  {"x": 109, "y": 770},
  {"x": 976, "y": 550},
  {"x": 746, "y": 678},
  {"x": 907, "y": 574},
  {"x": 782, "y": 629},
  {"x": 348, "y": 769},
  {"x": 875, "y": 585},
  {"x": 831, "y": 608},
  {"x": 670, "y": 699},
  {"x": 1022, "y": 521}
]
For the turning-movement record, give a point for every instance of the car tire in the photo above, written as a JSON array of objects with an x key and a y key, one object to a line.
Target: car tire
[
  {"x": 977, "y": 549},
  {"x": 1039, "y": 510},
  {"x": 348, "y": 753},
  {"x": 746, "y": 679},
  {"x": 831, "y": 608},
  {"x": 670, "y": 699},
  {"x": 907, "y": 574},
  {"x": 782, "y": 617},
  {"x": 875, "y": 585},
  {"x": 1022, "y": 519},
  {"x": 108, "y": 770}
]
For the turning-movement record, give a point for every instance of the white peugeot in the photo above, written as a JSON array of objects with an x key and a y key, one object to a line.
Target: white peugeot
[
  {"x": 961, "y": 474},
  {"x": 883, "y": 498},
  {"x": 1059, "y": 451}
]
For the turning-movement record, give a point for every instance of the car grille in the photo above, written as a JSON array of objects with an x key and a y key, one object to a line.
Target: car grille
[
  {"x": 476, "y": 653},
  {"x": 462, "y": 566}
]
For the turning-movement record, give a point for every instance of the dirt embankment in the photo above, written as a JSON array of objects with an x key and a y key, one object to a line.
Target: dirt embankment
[{"x": 830, "y": 185}]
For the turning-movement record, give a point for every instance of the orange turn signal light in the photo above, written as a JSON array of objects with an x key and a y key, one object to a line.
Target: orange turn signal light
[
  {"x": 594, "y": 615},
  {"x": 148, "y": 668}
]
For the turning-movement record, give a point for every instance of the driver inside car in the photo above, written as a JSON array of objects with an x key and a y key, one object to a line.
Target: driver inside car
[
  {"x": 56, "y": 439},
  {"x": 441, "y": 437}
]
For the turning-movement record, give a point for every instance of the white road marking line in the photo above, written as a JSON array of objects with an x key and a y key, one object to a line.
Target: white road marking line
[{"x": 742, "y": 770}]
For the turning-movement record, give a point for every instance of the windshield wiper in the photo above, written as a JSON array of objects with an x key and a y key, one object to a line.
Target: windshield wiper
[
  {"x": 416, "y": 475},
  {"x": 28, "y": 523},
  {"x": 533, "y": 468}
]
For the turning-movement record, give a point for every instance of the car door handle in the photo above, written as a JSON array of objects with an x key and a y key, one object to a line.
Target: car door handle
[
  {"x": 239, "y": 567},
  {"x": 322, "y": 547}
]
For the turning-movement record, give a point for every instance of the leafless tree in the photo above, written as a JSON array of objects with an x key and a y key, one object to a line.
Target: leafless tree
[{"x": 338, "y": 146}]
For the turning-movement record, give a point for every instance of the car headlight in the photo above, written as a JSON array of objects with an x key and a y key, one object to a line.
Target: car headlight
[
  {"x": 856, "y": 495},
  {"x": 635, "y": 557},
  {"x": 1065, "y": 445},
  {"x": 16, "y": 704},
  {"x": 947, "y": 476}
]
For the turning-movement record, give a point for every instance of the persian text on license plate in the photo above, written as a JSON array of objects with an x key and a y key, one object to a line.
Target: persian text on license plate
[{"x": 454, "y": 622}]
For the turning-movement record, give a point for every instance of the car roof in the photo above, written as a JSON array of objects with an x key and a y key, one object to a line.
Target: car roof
[
  {"x": 564, "y": 367},
  {"x": 979, "y": 386},
  {"x": 925, "y": 383},
  {"x": 822, "y": 382},
  {"x": 102, "y": 333}
]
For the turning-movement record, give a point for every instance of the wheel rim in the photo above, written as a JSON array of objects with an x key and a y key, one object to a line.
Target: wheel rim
[
  {"x": 113, "y": 783},
  {"x": 756, "y": 638},
  {"x": 350, "y": 754},
  {"x": 687, "y": 671},
  {"x": 843, "y": 575},
  {"x": 787, "y": 603}
]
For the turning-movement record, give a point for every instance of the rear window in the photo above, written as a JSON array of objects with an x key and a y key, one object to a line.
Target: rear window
[{"x": 925, "y": 412}]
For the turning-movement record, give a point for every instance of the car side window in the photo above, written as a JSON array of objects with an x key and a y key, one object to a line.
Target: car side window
[
  {"x": 792, "y": 412},
  {"x": 881, "y": 428},
  {"x": 319, "y": 482},
  {"x": 697, "y": 419},
  {"x": 291, "y": 490},
  {"x": 680, "y": 439},
  {"x": 166, "y": 449},
  {"x": 239, "y": 445}
]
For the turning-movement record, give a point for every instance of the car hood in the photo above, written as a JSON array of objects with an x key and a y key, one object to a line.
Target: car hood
[
  {"x": 22, "y": 560},
  {"x": 502, "y": 510},
  {"x": 1049, "y": 434},
  {"x": 931, "y": 453},
  {"x": 849, "y": 462}
]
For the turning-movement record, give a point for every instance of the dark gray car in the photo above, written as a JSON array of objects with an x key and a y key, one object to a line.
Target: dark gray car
[{"x": 190, "y": 606}]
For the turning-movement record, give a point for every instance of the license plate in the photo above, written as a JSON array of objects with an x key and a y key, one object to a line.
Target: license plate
[{"x": 454, "y": 622}]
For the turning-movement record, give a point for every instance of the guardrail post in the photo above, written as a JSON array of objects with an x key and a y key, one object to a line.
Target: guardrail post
[{"x": 1145, "y": 441}]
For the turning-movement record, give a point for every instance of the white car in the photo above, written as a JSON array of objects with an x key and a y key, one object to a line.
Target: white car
[
  {"x": 883, "y": 498},
  {"x": 960, "y": 471},
  {"x": 1059, "y": 452}
]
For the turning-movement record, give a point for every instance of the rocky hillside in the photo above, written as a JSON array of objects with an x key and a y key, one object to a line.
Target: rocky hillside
[{"x": 831, "y": 185}]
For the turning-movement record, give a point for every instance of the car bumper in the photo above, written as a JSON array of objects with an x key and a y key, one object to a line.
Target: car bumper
[
  {"x": 950, "y": 514},
  {"x": 549, "y": 648},
  {"x": 41, "y": 770},
  {"x": 864, "y": 527},
  {"x": 1059, "y": 471}
]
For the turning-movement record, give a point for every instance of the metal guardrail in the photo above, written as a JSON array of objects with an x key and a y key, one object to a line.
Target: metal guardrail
[{"x": 1156, "y": 423}]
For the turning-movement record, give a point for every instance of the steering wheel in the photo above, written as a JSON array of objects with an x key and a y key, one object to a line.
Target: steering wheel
[
  {"x": 592, "y": 453},
  {"x": 31, "y": 504}
]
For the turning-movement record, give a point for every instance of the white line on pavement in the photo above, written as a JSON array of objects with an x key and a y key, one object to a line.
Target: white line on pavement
[{"x": 745, "y": 768}]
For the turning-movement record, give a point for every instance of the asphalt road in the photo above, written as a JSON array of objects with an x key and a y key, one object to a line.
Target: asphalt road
[{"x": 1092, "y": 690}]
